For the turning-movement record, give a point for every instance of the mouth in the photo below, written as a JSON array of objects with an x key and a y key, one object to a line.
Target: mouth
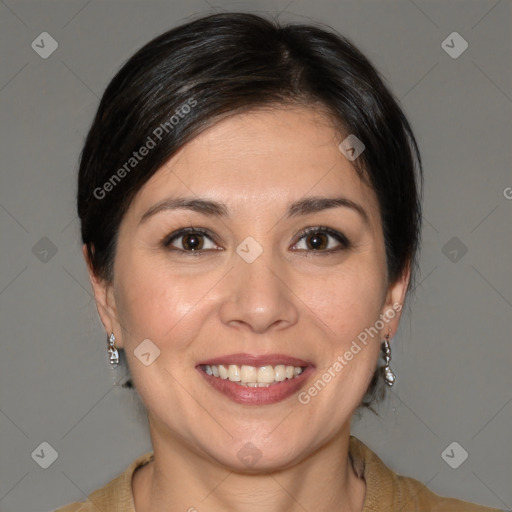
[{"x": 256, "y": 380}]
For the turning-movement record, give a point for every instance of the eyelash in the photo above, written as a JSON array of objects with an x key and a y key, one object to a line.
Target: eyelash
[{"x": 339, "y": 237}]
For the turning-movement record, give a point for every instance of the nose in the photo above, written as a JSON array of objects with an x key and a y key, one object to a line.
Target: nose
[{"x": 259, "y": 295}]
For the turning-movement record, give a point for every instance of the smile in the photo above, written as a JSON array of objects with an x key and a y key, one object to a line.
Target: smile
[{"x": 256, "y": 380}]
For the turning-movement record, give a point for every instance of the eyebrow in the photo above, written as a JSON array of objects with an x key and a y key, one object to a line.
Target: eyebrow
[{"x": 218, "y": 209}]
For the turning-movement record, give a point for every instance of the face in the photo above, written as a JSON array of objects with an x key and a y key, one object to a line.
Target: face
[{"x": 258, "y": 283}]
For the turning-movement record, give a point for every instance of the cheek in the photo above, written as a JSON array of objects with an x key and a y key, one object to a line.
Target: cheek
[
  {"x": 349, "y": 301},
  {"x": 161, "y": 305},
  {"x": 158, "y": 305},
  {"x": 346, "y": 308}
]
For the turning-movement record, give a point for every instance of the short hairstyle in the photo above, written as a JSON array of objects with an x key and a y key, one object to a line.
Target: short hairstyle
[{"x": 192, "y": 76}]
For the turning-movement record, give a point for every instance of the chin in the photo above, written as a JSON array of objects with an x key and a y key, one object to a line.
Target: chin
[{"x": 249, "y": 459}]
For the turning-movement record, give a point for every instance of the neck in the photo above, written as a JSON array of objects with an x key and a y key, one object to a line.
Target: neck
[{"x": 179, "y": 478}]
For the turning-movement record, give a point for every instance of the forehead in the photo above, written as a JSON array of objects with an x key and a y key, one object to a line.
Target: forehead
[{"x": 261, "y": 160}]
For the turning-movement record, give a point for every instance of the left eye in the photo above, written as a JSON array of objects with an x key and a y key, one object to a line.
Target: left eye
[{"x": 317, "y": 239}]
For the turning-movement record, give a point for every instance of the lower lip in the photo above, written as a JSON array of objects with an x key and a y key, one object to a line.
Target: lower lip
[{"x": 258, "y": 396}]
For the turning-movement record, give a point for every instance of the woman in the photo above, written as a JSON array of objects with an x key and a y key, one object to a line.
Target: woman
[{"x": 249, "y": 204}]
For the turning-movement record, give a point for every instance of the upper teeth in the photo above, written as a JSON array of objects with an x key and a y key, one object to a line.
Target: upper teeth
[{"x": 253, "y": 376}]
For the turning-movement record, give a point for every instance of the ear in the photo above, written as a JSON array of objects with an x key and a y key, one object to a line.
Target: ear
[
  {"x": 105, "y": 300},
  {"x": 395, "y": 298}
]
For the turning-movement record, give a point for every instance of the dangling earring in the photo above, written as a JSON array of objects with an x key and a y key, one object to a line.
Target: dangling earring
[
  {"x": 112, "y": 350},
  {"x": 389, "y": 376}
]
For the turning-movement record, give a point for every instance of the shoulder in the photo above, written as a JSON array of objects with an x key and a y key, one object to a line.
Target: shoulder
[
  {"x": 386, "y": 491},
  {"x": 415, "y": 496},
  {"x": 115, "y": 496}
]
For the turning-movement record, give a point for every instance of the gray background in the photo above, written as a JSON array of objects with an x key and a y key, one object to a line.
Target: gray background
[{"x": 452, "y": 353}]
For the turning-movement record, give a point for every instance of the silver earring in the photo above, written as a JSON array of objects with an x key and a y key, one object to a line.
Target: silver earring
[
  {"x": 389, "y": 376},
  {"x": 112, "y": 350}
]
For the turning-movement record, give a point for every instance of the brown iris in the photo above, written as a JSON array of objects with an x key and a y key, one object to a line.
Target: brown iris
[
  {"x": 193, "y": 241},
  {"x": 317, "y": 241}
]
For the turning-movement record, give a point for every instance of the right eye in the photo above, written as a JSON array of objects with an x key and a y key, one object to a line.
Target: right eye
[{"x": 192, "y": 241}]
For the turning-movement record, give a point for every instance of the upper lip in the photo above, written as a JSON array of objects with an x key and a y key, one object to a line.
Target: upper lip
[{"x": 256, "y": 360}]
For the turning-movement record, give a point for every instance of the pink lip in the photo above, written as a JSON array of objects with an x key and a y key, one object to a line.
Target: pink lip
[
  {"x": 256, "y": 360},
  {"x": 258, "y": 396}
]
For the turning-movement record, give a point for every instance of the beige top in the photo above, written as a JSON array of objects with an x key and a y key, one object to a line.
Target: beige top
[{"x": 385, "y": 490}]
